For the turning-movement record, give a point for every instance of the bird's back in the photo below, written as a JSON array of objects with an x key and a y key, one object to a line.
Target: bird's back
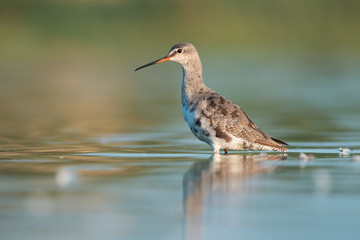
[{"x": 223, "y": 124}]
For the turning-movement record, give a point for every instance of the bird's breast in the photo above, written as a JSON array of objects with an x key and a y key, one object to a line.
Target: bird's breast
[
  {"x": 196, "y": 123},
  {"x": 188, "y": 115}
]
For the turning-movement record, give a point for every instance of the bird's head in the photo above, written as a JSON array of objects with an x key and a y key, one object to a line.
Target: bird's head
[{"x": 183, "y": 53}]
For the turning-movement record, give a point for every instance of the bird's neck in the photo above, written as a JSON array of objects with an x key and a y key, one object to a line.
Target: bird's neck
[{"x": 192, "y": 81}]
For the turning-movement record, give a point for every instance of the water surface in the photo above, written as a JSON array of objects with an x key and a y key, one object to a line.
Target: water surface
[{"x": 161, "y": 183}]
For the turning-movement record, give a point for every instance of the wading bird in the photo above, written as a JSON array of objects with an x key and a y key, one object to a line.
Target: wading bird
[{"x": 212, "y": 118}]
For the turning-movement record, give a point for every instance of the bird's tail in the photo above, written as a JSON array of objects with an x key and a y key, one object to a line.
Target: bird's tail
[{"x": 279, "y": 141}]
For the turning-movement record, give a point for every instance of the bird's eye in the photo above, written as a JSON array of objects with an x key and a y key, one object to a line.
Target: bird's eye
[{"x": 179, "y": 50}]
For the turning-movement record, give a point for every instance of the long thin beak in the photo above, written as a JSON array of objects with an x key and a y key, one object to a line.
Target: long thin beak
[{"x": 163, "y": 59}]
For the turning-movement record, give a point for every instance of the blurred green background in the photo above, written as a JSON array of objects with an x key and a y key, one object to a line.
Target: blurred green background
[{"x": 67, "y": 67}]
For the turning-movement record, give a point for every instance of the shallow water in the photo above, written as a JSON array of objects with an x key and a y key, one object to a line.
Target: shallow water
[{"x": 161, "y": 183}]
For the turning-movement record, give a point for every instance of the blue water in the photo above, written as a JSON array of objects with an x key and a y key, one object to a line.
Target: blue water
[{"x": 174, "y": 188}]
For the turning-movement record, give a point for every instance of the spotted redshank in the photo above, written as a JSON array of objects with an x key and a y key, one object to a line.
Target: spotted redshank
[{"x": 212, "y": 118}]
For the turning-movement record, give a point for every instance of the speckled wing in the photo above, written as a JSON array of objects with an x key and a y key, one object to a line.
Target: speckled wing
[{"x": 228, "y": 120}]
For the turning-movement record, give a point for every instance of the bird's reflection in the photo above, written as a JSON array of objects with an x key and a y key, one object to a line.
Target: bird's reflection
[{"x": 213, "y": 180}]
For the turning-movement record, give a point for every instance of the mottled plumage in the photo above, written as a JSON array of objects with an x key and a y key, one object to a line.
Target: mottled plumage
[{"x": 212, "y": 118}]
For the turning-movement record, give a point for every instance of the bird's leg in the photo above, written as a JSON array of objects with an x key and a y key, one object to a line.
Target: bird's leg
[
  {"x": 226, "y": 151},
  {"x": 216, "y": 150}
]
